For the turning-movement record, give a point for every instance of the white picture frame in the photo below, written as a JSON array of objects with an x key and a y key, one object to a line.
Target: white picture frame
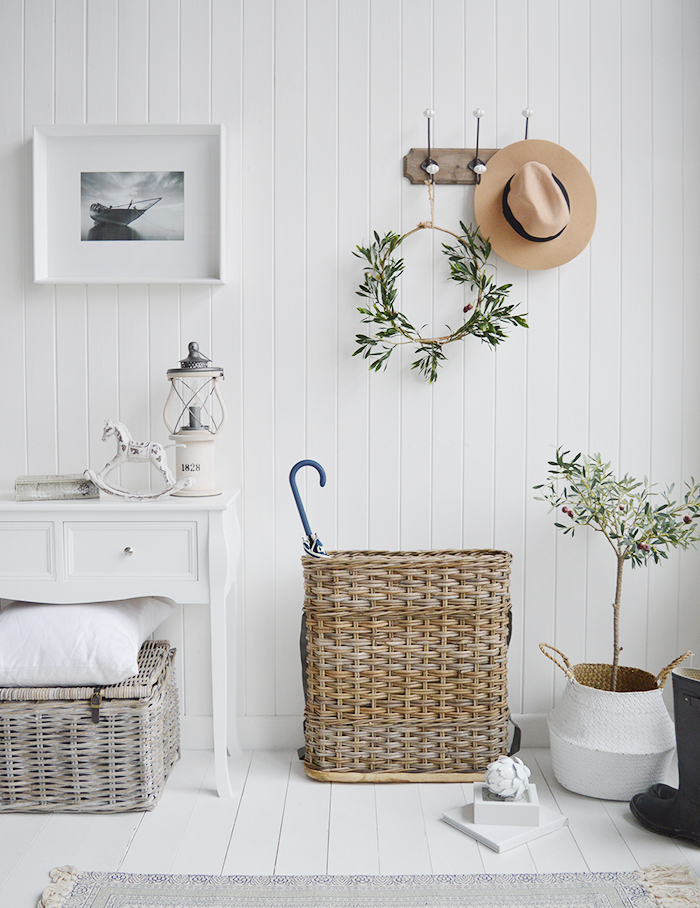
[{"x": 81, "y": 173}]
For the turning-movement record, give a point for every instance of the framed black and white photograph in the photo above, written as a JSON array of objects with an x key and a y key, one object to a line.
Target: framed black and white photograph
[{"x": 128, "y": 204}]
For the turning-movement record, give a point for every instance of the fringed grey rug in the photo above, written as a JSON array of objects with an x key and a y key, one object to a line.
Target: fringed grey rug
[{"x": 652, "y": 887}]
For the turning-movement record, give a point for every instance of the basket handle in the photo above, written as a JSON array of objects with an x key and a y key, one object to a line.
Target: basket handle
[
  {"x": 564, "y": 665},
  {"x": 665, "y": 672}
]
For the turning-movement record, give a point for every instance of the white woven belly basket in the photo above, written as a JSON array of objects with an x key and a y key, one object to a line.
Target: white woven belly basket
[{"x": 610, "y": 744}]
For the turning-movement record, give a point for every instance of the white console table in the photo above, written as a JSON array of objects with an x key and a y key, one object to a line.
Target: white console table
[{"x": 97, "y": 550}]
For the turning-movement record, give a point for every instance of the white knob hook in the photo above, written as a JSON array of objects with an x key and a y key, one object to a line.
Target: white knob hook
[
  {"x": 476, "y": 164},
  {"x": 430, "y": 166},
  {"x": 527, "y": 113}
]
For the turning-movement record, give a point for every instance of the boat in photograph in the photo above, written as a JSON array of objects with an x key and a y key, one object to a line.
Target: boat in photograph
[{"x": 120, "y": 214}]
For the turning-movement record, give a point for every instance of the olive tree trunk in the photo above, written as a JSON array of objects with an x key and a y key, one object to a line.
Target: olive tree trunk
[{"x": 616, "y": 623}]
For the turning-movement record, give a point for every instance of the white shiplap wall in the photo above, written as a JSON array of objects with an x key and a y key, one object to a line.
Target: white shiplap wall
[{"x": 321, "y": 99}]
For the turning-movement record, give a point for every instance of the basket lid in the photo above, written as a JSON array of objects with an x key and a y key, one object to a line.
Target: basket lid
[{"x": 153, "y": 658}]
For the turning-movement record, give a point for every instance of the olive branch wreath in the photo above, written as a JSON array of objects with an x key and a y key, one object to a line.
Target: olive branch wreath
[{"x": 468, "y": 257}]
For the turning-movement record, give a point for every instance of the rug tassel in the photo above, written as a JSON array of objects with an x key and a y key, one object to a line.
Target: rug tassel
[
  {"x": 62, "y": 880},
  {"x": 672, "y": 887}
]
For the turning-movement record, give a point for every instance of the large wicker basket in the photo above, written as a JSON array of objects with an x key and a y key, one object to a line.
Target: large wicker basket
[
  {"x": 406, "y": 664},
  {"x": 53, "y": 757}
]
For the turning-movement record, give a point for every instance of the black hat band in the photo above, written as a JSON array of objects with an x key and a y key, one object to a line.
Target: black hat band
[{"x": 518, "y": 227}]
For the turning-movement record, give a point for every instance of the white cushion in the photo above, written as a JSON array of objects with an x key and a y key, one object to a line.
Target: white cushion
[{"x": 94, "y": 643}]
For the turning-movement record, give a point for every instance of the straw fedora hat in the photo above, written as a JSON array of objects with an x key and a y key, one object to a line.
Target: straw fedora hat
[{"x": 536, "y": 204}]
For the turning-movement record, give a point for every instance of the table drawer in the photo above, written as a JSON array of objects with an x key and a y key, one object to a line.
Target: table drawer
[
  {"x": 27, "y": 550},
  {"x": 131, "y": 549}
]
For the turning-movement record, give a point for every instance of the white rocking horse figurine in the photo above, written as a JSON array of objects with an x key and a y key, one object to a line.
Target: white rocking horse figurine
[{"x": 130, "y": 451}]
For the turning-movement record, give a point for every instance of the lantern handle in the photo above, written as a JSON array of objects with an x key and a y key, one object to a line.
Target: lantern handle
[
  {"x": 165, "y": 409},
  {"x": 222, "y": 405},
  {"x": 295, "y": 490}
]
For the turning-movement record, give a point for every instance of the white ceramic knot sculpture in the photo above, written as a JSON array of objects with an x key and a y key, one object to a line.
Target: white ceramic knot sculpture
[{"x": 508, "y": 777}]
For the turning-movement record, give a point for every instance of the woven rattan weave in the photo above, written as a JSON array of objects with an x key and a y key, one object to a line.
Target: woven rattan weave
[
  {"x": 599, "y": 675},
  {"x": 406, "y": 664},
  {"x": 53, "y": 757}
]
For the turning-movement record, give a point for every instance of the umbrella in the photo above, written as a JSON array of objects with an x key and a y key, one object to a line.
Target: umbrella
[{"x": 312, "y": 544}]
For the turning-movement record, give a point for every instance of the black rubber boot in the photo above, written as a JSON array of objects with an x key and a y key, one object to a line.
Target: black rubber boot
[{"x": 666, "y": 810}]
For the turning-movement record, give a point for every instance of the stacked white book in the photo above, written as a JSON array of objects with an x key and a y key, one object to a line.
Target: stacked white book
[{"x": 502, "y": 823}]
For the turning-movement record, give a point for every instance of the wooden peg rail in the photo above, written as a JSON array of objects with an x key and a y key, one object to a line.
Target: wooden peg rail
[{"x": 454, "y": 164}]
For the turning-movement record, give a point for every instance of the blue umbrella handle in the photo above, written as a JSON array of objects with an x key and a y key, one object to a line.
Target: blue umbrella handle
[{"x": 295, "y": 491}]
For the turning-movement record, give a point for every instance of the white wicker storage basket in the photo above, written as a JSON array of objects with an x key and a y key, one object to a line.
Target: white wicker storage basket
[
  {"x": 53, "y": 757},
  {"x": 610, "y": 744}
]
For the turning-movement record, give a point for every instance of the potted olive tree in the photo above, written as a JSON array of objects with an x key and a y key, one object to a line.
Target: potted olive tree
[{"x": 610, "y": 734}]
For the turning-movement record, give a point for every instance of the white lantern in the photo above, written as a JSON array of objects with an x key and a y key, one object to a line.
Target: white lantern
[{"x": 200, "y": 416}]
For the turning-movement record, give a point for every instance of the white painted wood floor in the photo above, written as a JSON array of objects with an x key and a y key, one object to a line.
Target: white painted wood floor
[{"x": 281, "y": 822}]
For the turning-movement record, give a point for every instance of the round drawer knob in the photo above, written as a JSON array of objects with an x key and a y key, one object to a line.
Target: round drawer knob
[{"x": 128, "y": 550}]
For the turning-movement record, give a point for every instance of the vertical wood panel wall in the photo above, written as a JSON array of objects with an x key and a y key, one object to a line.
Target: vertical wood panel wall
[{"x": 321, "y": 99}]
